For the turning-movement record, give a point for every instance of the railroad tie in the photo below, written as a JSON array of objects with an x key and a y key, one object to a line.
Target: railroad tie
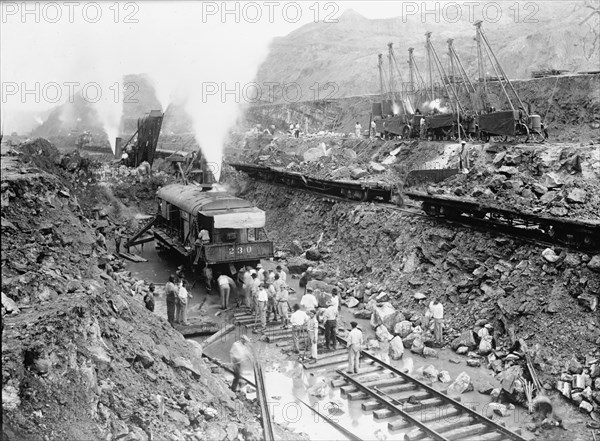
[
  {"x": 442, "y": 415},
  {"x": 374, "y": 404},
  {"x": 392, "y": 380},
  {"x": 423, "y": 407},
  {"x": 442, "y": 426}
]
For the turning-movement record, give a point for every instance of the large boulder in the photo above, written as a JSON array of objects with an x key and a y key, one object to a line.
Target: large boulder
[
  {"x": 550, "y": 255},
  {"x": 313, "y": 154},
  {"x": 396, "y": 348},
  {"x": 466, "y": 339},
  {"x": 430, "y": 352},
  {"x": 320, "y": 285},
  {"x": 444, "y": 377},
  {"x": 362, "y": 313},
  {"x": 393, "y": 319},
  {"x": 382, "y": 333},
  {"x": 381, "y": 313},
  {"x": 296, "y": 248},
  {"x": 297, "y": 265},
  {"x": 550, "y": 180},
  {"x": 460, "y": 385},
  {"x": 357, "y": 173},
  {"x": 403, "y": 328},
  {"x": 352, "y": 302},
  {"x": 430, "y": 373},
  {"x": 594, "y": 263},
  {"x": 576, "y": 196},
  {"x": 417, "y": 346},
  {"x": 376, "y": 167},
  {"x": 313, "y": 254}
]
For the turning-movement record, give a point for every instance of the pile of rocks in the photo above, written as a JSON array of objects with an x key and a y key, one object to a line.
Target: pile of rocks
[
  {"x": 580, "y": 382},
  {"x": 524, "y": 180}
]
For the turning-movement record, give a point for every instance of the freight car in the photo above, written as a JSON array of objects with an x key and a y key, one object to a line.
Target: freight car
[
  {"x": 580, "y": 234},
  {"x": 208, "y": 227}
]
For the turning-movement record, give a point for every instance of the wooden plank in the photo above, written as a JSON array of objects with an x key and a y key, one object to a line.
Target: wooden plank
[
  {"x": 207, "y": 328},
  {"x": 213, "y": 338},
  {"x": 132, "y": 257}
]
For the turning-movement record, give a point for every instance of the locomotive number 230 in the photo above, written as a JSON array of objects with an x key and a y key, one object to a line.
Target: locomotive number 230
[{"x": 240, "y": 250}]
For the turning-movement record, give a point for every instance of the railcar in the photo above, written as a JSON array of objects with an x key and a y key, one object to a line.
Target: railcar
[{"x": 208, "y": 228}]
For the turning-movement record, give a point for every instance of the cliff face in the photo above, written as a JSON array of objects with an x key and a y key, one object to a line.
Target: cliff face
[{"x": 529, "y": 37}]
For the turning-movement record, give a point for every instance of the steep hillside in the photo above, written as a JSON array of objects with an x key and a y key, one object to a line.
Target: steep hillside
[{"x": 345, "y": 52}]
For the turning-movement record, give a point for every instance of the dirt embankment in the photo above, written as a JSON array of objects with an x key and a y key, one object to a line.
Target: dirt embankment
[
  {"x": 481, "y": 277},
  {"x": 81, "y": 356}
]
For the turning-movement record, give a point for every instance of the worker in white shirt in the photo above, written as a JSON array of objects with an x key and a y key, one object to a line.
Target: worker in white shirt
[
  {"x": 283, "y": 307},
  {"x": 239, "y": 353},
  {"x": 282, "y": 274},
  {"x": 330, "y": 318},
  {"x": 226, "y": 284},
  {"x": 247, "y": 287},
  {"x": 437, "y": 313},
  {"x": 309, "y": 301},
  {"x": 261, "y": 273},
  {"x": 270, "y": 276},
  {"x": 335, "y": 298},
  {"x": 262, "y": 299},
  {"x": 355, "y": 341},
  {"x": 298, "y": 321},
  {"x": 278, "y": 283}
]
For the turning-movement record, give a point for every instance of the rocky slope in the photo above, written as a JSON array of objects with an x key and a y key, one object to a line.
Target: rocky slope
[
  {"x": 81, "y": 356},
  {"x": 373, "y": 252}
]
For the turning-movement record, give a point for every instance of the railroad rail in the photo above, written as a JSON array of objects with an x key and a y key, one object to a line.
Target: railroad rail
[
  {"x": 388, "y": 395},
  {"x": 261, "y": 395},
  {"x": 581, "y": 235}
]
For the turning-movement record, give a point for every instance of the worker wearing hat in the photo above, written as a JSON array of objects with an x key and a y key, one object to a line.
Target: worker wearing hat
[{"x": 240, "y": 352}]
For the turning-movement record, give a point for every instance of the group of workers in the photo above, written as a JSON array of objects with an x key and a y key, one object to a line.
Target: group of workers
[
  {"x": 177, "y": 297},
  {"x": 266, "y": 293}
]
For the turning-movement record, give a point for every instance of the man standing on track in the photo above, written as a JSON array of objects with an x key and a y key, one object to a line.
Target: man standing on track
[
  {"x": 298, "y": 320},
  {"x": 330, "y": 318},
  {"x": 355, "y": 341},
  {"x": 282, "y": 297}
]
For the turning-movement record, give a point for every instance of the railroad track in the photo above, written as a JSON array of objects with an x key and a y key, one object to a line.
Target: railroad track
[{"x": 413, "y": 409}]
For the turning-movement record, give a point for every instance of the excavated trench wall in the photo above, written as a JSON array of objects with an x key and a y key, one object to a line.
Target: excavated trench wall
[
  {"x": 570, "y": 103},
  {"x": 478, "y": 274}
]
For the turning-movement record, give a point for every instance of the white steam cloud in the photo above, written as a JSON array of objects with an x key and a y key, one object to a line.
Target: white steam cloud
[
  {"x": 191, "y": 58},
  {"x": 435, "y": 104}
]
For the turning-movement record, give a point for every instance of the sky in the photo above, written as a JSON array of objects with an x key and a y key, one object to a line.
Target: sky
[
  {"x": 50, "y": 49},
  {"x": 202, "y": 55}
]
